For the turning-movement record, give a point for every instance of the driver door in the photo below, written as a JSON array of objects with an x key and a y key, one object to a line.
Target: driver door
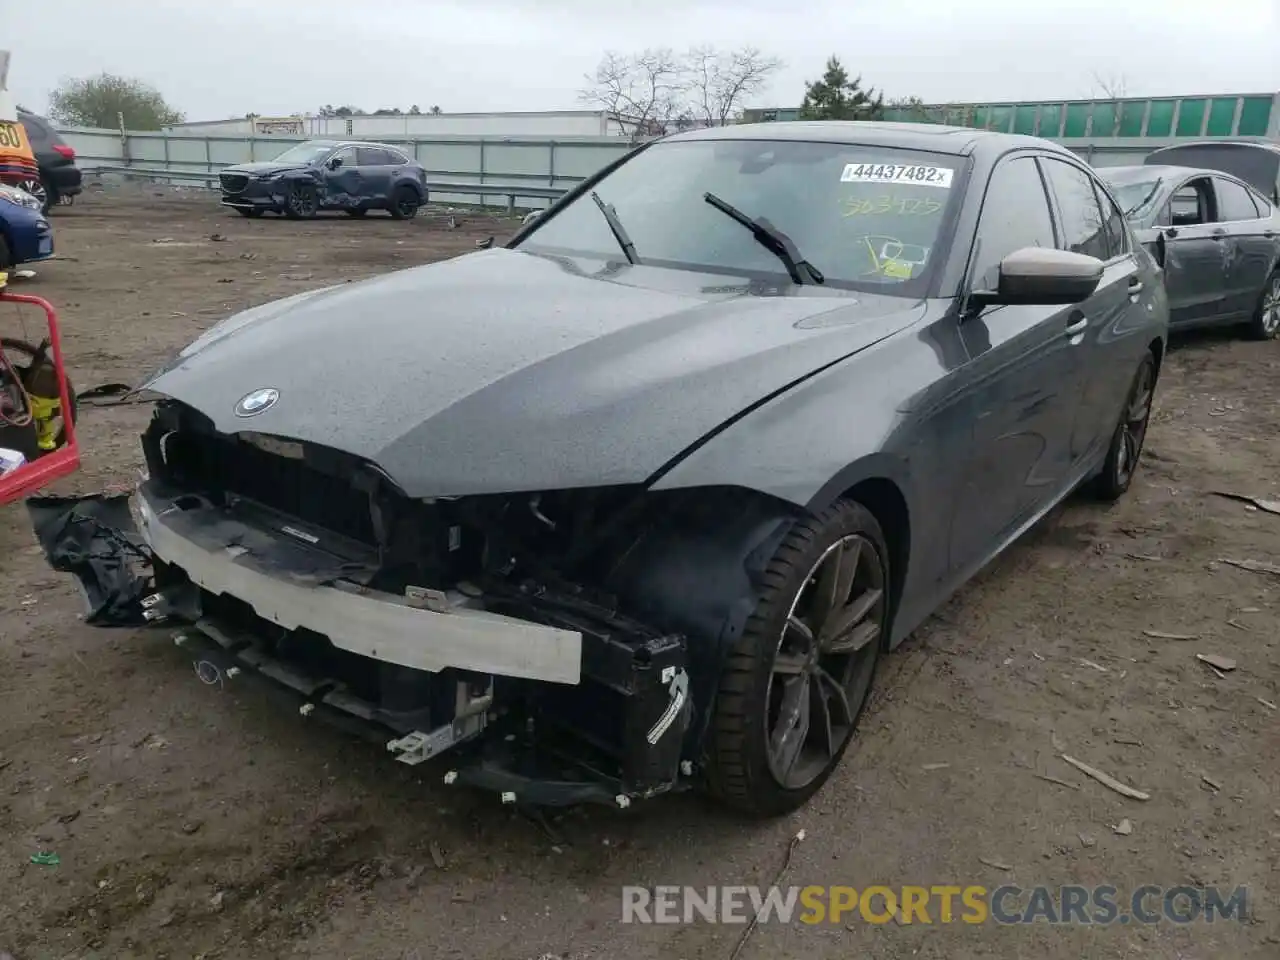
[
  {"x": 1196, "y": 260},
  {"x": 1024, "y": 368},
  {"x": 342, "y": 178}
]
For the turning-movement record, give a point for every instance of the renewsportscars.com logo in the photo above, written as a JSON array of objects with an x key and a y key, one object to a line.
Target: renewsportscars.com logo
[{"x": 1007, "y": 905}]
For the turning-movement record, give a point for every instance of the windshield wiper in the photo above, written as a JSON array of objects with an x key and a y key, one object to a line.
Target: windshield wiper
[
  {"x": 773, "y": 240},
  {"x": 1145, "y": 200},
  {"x": 616, "y": 227}
]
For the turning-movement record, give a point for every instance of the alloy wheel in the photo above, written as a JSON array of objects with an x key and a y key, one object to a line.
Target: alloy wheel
[
  {"x": 1133, "y": 425},
  {"x": 825, "y": 660},
  {"x": 303, "y": 200},
  {"x": 37, "y": 190},
  {"x": 1270, "y": 313}
]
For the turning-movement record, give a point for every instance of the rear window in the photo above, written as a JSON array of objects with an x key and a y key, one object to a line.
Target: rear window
[{"x": 38, "y": 130}]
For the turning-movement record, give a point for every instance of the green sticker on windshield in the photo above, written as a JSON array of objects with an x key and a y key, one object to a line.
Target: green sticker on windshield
[{"x": 898, "y": 269}]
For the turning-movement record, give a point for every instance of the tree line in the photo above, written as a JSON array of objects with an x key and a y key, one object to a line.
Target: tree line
[{"x": 647, "y": 94}]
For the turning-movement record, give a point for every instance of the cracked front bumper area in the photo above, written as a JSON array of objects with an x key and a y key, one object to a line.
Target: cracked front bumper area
[
  {"x": 254, "y": 194},
  {"x": 542, "y": 701}
]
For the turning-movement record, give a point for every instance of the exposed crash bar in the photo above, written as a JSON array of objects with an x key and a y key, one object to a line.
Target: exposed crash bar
[{"x": 378, "y": 625}]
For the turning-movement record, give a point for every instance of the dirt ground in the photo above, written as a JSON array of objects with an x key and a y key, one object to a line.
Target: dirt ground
[{"x": 200, "y": 821}]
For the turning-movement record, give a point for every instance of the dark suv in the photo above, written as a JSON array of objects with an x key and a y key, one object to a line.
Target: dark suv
[
  {"x": 353, "y": 176},
  {"x": 56, "y": 160}
]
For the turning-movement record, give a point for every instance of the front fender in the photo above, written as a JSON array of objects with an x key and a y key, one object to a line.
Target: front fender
[{"x": 895, "y": 420}]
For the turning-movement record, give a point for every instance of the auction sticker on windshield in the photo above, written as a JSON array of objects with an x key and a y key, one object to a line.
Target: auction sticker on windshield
[{"x": 917, "y": 174}]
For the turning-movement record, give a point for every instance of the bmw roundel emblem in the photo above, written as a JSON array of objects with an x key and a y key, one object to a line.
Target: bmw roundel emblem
[{"x": 252, "y": 404}]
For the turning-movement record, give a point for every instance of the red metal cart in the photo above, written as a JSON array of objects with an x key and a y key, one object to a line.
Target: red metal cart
[{"x": 54, "y": 455}]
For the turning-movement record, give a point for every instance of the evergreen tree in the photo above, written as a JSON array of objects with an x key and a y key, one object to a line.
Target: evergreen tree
[{"x": 836, "y": 97}]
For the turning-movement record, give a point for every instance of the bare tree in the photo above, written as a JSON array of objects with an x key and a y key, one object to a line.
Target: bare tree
[
  {"x": 719, "y": 83},
  {"x": 1109, "y": 86},
  {"x": 641, "y": 92},
  {"x": 1113, "y": 86}
]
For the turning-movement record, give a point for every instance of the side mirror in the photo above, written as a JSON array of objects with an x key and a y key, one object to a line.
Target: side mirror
[
  {"x": 531, "y": 216},
  {"x": 1042, "y": 277},
  {"x": 334, "y": 163}
]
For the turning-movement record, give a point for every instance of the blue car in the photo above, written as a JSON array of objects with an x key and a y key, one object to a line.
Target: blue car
[{"x": 25, "y": 235}]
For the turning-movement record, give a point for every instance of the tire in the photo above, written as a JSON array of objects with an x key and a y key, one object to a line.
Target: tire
[
  {"x": 357, "y": 212},
  {"x": 6, "y": 257},
  {"x": 404, "y": 203},
  {"x": 251, "y": 212},
  {"x": 43, "y": 191},
  {"x": 19, "y": 350},
  {"x": 1265, "y": 324},
  {"x": 773, "y": 666},
  {"x": 302, "y": 202},
  {"x": 1125, "y": 452}
]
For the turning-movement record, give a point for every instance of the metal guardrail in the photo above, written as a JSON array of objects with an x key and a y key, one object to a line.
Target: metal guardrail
[{"x": 209, "y": 178}]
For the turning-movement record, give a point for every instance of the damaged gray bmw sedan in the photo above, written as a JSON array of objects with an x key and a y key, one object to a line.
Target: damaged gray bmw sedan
[{"x": 640, "y": 499}]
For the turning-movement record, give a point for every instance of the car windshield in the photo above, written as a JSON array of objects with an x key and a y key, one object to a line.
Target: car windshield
[
  {"x": 305, "y": 153},
  {"x": 1136, "y": 196},
  {"x": 865, "y": 217}
]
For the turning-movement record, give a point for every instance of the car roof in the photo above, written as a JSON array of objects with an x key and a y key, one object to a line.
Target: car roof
[
  {"x": 356, "y": 143},
  {"x": 960, "y": 141},
  {"x": 1159, "y": 170},
  {"x": 1231, "y": 145}
]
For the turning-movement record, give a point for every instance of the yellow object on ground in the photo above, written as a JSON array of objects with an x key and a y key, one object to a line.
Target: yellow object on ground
[{"x": 44, "y": 411}]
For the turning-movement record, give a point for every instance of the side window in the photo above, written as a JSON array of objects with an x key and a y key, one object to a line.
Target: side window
[
  {"x": 1190, "y": 204},
  {"x": 346, "y": 154},
  {"x": 373, "y": 157},
  {"x": 396, "y": 158},
  {"x": 1015, "y": 214},
  {"x": 1082, "y": 226},
  {"x": 1264, "y": 208},
  {"x": 1113, "y": 222},
  {"x": 1234, "y": 202}
]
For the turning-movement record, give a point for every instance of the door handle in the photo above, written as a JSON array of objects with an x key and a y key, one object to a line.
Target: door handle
[
  {"x": 1079, "y": 323},
  {"x": 1219, "y": 234},
  {"x": 1135, "y": 286}
]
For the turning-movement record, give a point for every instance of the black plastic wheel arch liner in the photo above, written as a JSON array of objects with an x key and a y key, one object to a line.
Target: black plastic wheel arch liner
[{"x": 698, "y": 574}]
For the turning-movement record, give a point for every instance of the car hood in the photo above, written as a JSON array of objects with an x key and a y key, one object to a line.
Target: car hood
[
  {"x": 263, "y": 166},
  {"x": 505, "y": 371}
]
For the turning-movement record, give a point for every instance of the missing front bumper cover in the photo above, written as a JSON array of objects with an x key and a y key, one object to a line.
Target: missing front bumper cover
[{"x": 551, "y": 724}]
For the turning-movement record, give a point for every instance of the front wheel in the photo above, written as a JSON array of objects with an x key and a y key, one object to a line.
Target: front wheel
[
  {"x": 405, "y": 203},
  {"x": 797, "y": 679},
  {"x": 1265, "y": 324},
  {"x": 301, "y": 202},
  {"x": 1131, "y": 432}
]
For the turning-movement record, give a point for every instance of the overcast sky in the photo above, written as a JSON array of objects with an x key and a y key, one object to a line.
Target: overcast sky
[{"x": 231, "y": 57}]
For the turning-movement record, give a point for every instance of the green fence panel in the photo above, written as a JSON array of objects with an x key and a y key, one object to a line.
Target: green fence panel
[
  {"x": 1051, "y": 120},
  {"x": 1104, "y": 120},
  {"x": 1000, "y": 118},
  {"x": 981, "y": 117},
  {"x": 1255, "y": 117},
  {"x": 1190, "y": 118},
  {"x": 1160, "y": 123},
  {"x": 1024, "y": 119},
  {"x": 1132, "y": 113},
  {"x": 1222, "y": 117},
  {"x": 1077, "y": 124}
]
